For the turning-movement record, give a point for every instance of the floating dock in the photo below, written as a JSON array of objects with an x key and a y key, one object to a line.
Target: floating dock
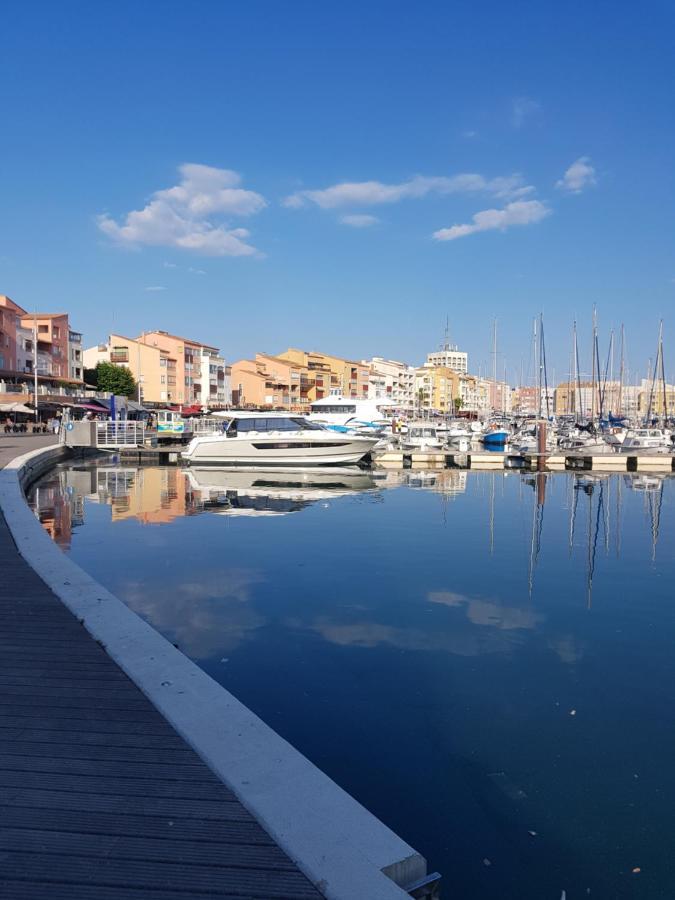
[{"x": 553, "y": 462}]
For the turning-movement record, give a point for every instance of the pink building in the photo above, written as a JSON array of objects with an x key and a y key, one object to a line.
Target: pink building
[{"x": 10, "y": 323}]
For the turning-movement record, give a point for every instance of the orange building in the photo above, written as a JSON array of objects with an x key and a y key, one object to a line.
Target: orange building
[
  {"x": 269, "y": 382},
  {"x": 191, "y": 358},
  {"x": 328, "y": 374}
]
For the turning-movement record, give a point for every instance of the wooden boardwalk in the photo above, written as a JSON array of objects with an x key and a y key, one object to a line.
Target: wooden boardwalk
[{"x": 100, "y": 799}]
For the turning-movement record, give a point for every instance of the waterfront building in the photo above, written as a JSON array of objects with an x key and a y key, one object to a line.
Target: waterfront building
[
  {"x": 57, "y": 352},
  {"x": 436, "y": 388},
  {"x": 586, "y": 398},
  {"x": 391, "y": 380},
  {"x": 168, "y": 369},
  {"x": 656, "y": 398},
  {"x": 450, "y": 357},
  {"x": 75, "y": 356},
  {"x": 331, "y": 374},
  {"x": 531, "y": 401},
  {"x": 153, "y": 368},
  {"x": 193, "y": 361},
  {"x": 270, "y": 382},
  {"x": 10, "y": 321},
  {"x": 493, "y": 396}
]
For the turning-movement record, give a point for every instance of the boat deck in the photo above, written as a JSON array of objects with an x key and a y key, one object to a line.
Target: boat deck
[{"x": 99, "y": 796}]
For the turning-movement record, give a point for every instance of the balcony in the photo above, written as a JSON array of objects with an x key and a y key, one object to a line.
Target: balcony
[{"x": 119, "y": 356}]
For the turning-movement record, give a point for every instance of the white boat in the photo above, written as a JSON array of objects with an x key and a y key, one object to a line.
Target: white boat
[
  {"x": 276, "y": 439},
  {"x": 585, "y": 445},
  {"x": 350, "y": 412},
  {"x": 421, "y": 436},
  {"x": 653, "y": 440}
]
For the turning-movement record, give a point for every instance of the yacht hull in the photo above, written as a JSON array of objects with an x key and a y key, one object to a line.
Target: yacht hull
[{"x": 277, "y": 450}]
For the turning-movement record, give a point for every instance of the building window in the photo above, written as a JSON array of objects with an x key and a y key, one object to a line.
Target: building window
[{"x": 162, "y": 379}]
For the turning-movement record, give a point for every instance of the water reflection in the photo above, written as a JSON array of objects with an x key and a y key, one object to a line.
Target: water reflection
[{"x": 498, "y": 646}]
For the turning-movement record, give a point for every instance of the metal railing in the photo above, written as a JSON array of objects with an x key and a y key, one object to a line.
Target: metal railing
[
  {"x": 120, "y": 434},
  {"x": 204, "y": 425}
]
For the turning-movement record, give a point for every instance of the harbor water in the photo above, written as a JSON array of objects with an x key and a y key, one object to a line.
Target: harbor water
[{"x": 485, "y": 660}]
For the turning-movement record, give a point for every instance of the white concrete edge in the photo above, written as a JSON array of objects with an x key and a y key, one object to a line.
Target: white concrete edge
[{"x": 342, "y": 848}]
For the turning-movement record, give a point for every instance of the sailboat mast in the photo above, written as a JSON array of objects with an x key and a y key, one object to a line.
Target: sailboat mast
[
  {"x": 621, "y": 374},
  {"x": 593, "y": 352},
  {"x": 494, "y": 365}
]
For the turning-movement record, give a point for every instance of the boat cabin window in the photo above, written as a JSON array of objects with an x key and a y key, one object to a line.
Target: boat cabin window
[
  {"x": 334, "y": 410},
  {"x": 278, "y": 423},
  {"x": 423, "y": 432}
]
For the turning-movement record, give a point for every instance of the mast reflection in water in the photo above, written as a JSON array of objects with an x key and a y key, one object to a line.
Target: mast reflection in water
[{"x": 485, "y": 660}]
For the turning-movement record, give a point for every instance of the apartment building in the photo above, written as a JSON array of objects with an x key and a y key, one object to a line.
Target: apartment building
[
  {"x": 450, "y": 357},
  {"x": 391, "y": 380},
  {"x": 56, "y": 345},
  {"x": 195, "y": 364},
  {"x": 154, "y": 370},
  {"x": 326, "y": 374},
  {"x": 10, "y": 322},
  {"x": 437, "y": 388},
  {"x": 271, "y": 382},
  {"x": 530, "y": 401}
]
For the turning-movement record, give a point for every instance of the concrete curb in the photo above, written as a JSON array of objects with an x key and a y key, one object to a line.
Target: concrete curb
[{"x": 341, "y": 847}]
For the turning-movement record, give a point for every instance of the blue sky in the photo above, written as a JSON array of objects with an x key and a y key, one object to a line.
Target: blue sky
[{"x": 191, "y": 149}]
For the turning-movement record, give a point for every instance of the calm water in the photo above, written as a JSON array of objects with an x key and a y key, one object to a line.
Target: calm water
[{"x": 485, "y": 660}]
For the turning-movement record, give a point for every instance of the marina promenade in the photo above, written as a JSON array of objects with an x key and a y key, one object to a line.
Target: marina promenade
[{"x": 99, "y": 796}]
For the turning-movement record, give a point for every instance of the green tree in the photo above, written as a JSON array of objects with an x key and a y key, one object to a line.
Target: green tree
[
  {"x": 89, "y": 376},
  {"x": 115, "y": 380},
  {"x": 459, "y": 403}
]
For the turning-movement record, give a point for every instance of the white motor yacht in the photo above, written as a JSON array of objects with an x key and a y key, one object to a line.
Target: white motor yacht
[
  {"x": 421, "y": 436},
  {"x": 652, "y": 440},
  {"x": 276, "y": 439}
]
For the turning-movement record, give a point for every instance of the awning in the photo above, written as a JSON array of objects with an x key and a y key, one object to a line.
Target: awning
[
  {"x": 16, "y": 408},
  {"x": 91, "y": 407}
]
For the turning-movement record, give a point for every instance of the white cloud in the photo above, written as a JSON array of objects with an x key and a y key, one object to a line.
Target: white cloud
[
  {"x": 156, "y": 287},
  {"x": 196, "y": 271},
  {"x": 181, "y": 216},
  {"x": 359, "y": 221},
  {"x": 520, "y": 212},
  {"x": 374, "y": 193},
  {"x": 469, "y": 134},
  {"x": 168, "y": 265},
  {"x": 521, "y": 109},
  {"x": 580, "y": 175}
]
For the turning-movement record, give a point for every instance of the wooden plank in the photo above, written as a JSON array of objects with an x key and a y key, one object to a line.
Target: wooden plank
[
  {"x": 93, "y": 738},
  {"x": 263, "y": 856},
  {"x": 31, "y": 890},
  {"x": 170, "y": 807},
  {"x": 167, "y": 876},
  {"x": 230, "y": 831},
  {"x": 23, "y": 718},
  {"x": 117, "y": 785},
  {"x": 75, "y": 750},
  {"x": 102, "y": 767}
]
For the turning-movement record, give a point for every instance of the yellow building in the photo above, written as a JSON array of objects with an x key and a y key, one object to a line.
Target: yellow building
[
  {"x": 436, "y": 388},
  {"x": 326, "y": 374}
]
